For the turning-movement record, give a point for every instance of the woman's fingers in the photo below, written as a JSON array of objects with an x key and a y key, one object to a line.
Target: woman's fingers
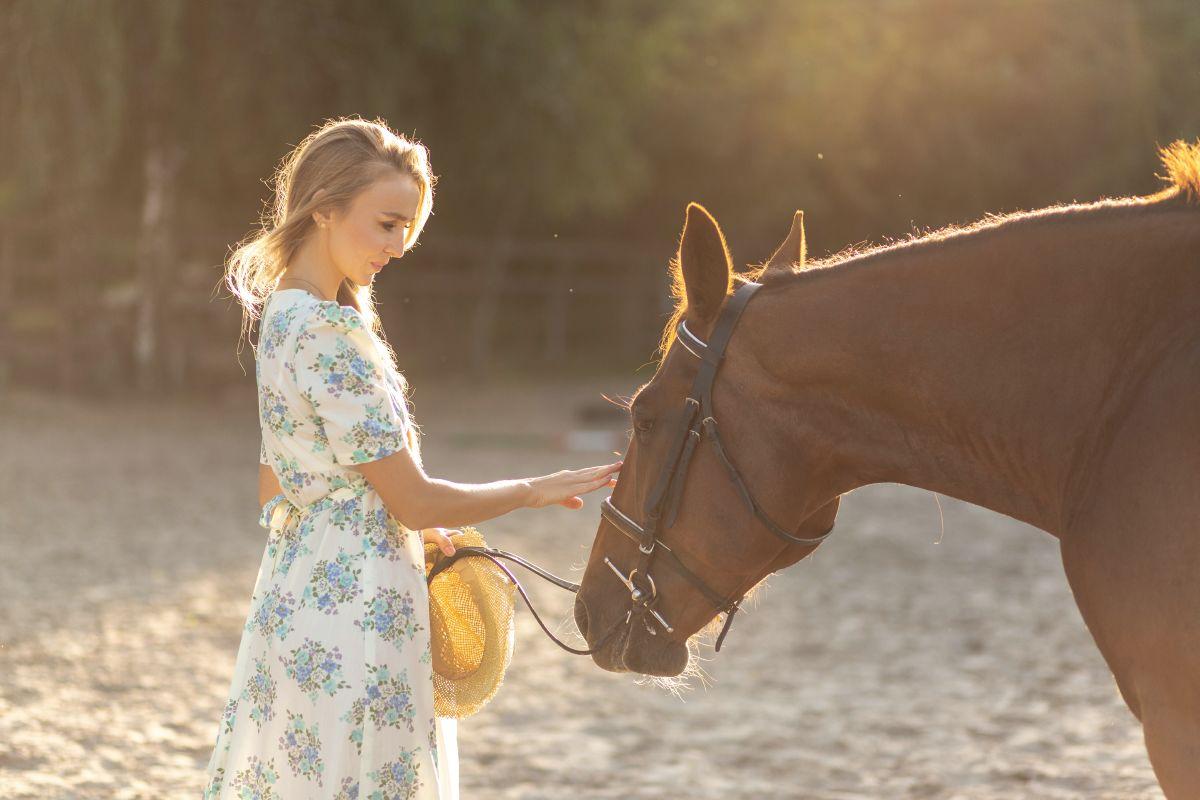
[
  {"x": 605, "y": 471},
  {"x": 438, "y": 536},
  {"x": 565, "y": 486},
  {"x": 603, "y": 476},
  {"x": 592, "y": 485}
]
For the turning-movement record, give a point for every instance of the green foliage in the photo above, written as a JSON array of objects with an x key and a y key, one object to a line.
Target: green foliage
[
  {"x": 875, "y": 117},
  {"x": 63, "y": 96},
  {"x": 609, "y": 115},
  {"x": 593, "y": 120}
]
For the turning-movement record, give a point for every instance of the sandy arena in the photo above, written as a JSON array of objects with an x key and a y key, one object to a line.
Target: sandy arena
[{"x": 902, "y": 661}]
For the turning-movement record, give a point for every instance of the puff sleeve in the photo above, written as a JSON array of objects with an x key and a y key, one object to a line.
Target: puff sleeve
[
  {"x": 339, "y": 369},
  {"x": 262, "y": 452}
]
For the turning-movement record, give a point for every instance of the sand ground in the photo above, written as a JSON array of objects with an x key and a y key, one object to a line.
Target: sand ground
[{"x": 902, "y": 661}]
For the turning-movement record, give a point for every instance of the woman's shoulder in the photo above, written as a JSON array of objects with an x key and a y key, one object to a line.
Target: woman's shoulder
[
  {"x": 326, "y": 325},
  {"x": 331, "y": 314},
  {"x": 297, "y": 315},
  {"x": 288, "y": 309},
  {"x": 283, "y": 313}
]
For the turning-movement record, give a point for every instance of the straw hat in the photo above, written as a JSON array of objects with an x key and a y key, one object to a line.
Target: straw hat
[{"x": 471, "y": 627}]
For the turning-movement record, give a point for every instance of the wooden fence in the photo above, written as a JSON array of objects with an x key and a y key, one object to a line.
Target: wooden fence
[{"x": 72, "y": 317}]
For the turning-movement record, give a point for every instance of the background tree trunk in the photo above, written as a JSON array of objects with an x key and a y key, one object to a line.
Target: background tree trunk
[{"x": 161, "y": 167}]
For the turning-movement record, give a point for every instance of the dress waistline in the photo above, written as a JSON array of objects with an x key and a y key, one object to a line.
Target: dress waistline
[{"x": 280, "y": 514}]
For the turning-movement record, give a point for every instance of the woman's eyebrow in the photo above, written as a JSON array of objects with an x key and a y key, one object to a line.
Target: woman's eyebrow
[{"x": 397, "y": 214}]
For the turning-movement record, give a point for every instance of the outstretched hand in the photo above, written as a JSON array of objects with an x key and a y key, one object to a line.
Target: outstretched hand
[{"x": 565, "y": 486}]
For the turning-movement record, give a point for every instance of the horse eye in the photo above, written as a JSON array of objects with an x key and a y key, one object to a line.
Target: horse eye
[{"x": 643, "y": 426}]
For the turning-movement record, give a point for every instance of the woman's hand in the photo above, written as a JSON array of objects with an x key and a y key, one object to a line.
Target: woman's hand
[
  {"x": 565, "y": 486},
  {"x": 440, "y": 537}
]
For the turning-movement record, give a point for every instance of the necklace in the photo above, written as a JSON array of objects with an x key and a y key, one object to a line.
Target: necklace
[{"x": 293, "y": 278}]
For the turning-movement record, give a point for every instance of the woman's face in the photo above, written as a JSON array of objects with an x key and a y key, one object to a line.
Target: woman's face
[{"x": 372, "y": 230}]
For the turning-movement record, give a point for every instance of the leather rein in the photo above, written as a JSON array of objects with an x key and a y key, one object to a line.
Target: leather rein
[
  {"x": 494, "y": 555},
  {"x": 662, "y": 504}
]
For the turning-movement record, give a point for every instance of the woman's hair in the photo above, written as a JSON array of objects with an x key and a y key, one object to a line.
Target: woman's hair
[{"x": 343, "y": 156}]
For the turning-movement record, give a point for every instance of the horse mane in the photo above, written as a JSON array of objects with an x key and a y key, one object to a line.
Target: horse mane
[
  {"x": 1182, "y": 162},
  {"x": 1180, "y": 159}
]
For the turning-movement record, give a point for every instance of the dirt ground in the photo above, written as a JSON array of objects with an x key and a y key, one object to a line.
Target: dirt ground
[{"x": 903, "y": 661}]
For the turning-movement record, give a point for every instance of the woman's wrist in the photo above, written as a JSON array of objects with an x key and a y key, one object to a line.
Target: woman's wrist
[{"x": 526, "y": 493}]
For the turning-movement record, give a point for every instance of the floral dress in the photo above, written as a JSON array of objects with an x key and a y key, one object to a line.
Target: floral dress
[{"x": 332, "y": 692}]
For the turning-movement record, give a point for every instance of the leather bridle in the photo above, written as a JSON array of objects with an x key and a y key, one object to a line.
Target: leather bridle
[{"x": 662, "y": 504}]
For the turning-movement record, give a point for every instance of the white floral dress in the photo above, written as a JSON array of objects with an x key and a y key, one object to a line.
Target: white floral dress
[{"x": 332, "y": 692}]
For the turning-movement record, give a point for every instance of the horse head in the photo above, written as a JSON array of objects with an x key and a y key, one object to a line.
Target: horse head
[{"x": 721, "y": 508}]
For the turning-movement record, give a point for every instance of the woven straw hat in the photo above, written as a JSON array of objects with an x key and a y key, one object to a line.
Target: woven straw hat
[{"x": 471, "y": 628}]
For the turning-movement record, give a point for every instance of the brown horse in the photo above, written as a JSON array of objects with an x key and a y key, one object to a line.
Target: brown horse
[{"x": 1045, "y": 365}]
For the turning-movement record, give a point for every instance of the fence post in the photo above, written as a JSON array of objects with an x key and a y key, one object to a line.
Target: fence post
[
  {"x": 67, "y": 311},
  {"x": 558, "y": 298},
  {"x": 7, "y": 266},
  {"x": 634, "y": 306},
  {"x": 490, "y": 281}
]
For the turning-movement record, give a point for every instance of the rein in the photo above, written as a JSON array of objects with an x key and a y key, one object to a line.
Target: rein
[{"x": 494, "y": 555}]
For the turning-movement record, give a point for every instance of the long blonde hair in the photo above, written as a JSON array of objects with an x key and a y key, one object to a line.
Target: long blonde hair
[{"x": 343, "y": 156}]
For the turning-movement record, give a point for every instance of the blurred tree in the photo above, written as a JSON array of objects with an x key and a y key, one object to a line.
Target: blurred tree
[
  {"x": 877, "y": 116},
  {"x": 141, "y": 131},
  {"x": 64, "y": 104}
]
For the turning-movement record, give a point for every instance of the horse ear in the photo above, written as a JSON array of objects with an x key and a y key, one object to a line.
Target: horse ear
[
  {"x": 704, "y": 260},
  {"x": 791, "y": 254}
]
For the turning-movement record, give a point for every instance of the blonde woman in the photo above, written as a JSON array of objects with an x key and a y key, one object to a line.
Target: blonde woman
[{"x": 332, "y": 692}]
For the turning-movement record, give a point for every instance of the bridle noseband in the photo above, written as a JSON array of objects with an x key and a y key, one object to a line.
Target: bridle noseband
[{"x": 662, "y": 504}]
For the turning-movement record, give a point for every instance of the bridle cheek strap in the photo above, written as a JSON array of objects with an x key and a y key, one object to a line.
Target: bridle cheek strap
[
  {"x": 678, "y": 454},
  {"x": 676, "y": 495}
]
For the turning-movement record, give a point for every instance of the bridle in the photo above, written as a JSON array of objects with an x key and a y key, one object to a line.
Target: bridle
[{"x": 662, "y": 504}]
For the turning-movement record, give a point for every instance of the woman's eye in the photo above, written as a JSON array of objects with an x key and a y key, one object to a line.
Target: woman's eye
[{"x": 388, "y": 226}]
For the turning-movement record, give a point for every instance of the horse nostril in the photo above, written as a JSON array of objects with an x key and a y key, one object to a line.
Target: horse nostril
[{"x": 581, "y": 616}]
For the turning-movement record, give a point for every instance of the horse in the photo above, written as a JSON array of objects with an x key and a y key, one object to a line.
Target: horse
[{"x": 1043, "y": 364}]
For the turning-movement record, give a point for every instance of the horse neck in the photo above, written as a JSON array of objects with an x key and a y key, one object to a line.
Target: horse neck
[{"x": 982, "y": 366}]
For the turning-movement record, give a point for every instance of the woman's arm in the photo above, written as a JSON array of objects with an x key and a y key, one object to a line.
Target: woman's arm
[
  {"x": 418, "y": 501},
  {"x": 268, "y": 485}
]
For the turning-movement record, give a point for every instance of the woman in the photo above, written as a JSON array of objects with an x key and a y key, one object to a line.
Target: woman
[{"x": 332, "y": 693}]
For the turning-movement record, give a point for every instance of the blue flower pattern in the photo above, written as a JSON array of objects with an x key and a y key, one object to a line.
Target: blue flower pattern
[
  {"x": 392, "y": 616},
  {"x": 334, "y": 651},
  {"x": 387, "y": 703},
  {"x": 397, "y": 780},
  {"x": 302, "y": 745},
  {"x": 333, "y": 583},
  {"x": 272, "y": 617},
  {"x": 315, "y": 668},
  {"x": 382, "y": 536},
  {"x": 260, "y": 691}
]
